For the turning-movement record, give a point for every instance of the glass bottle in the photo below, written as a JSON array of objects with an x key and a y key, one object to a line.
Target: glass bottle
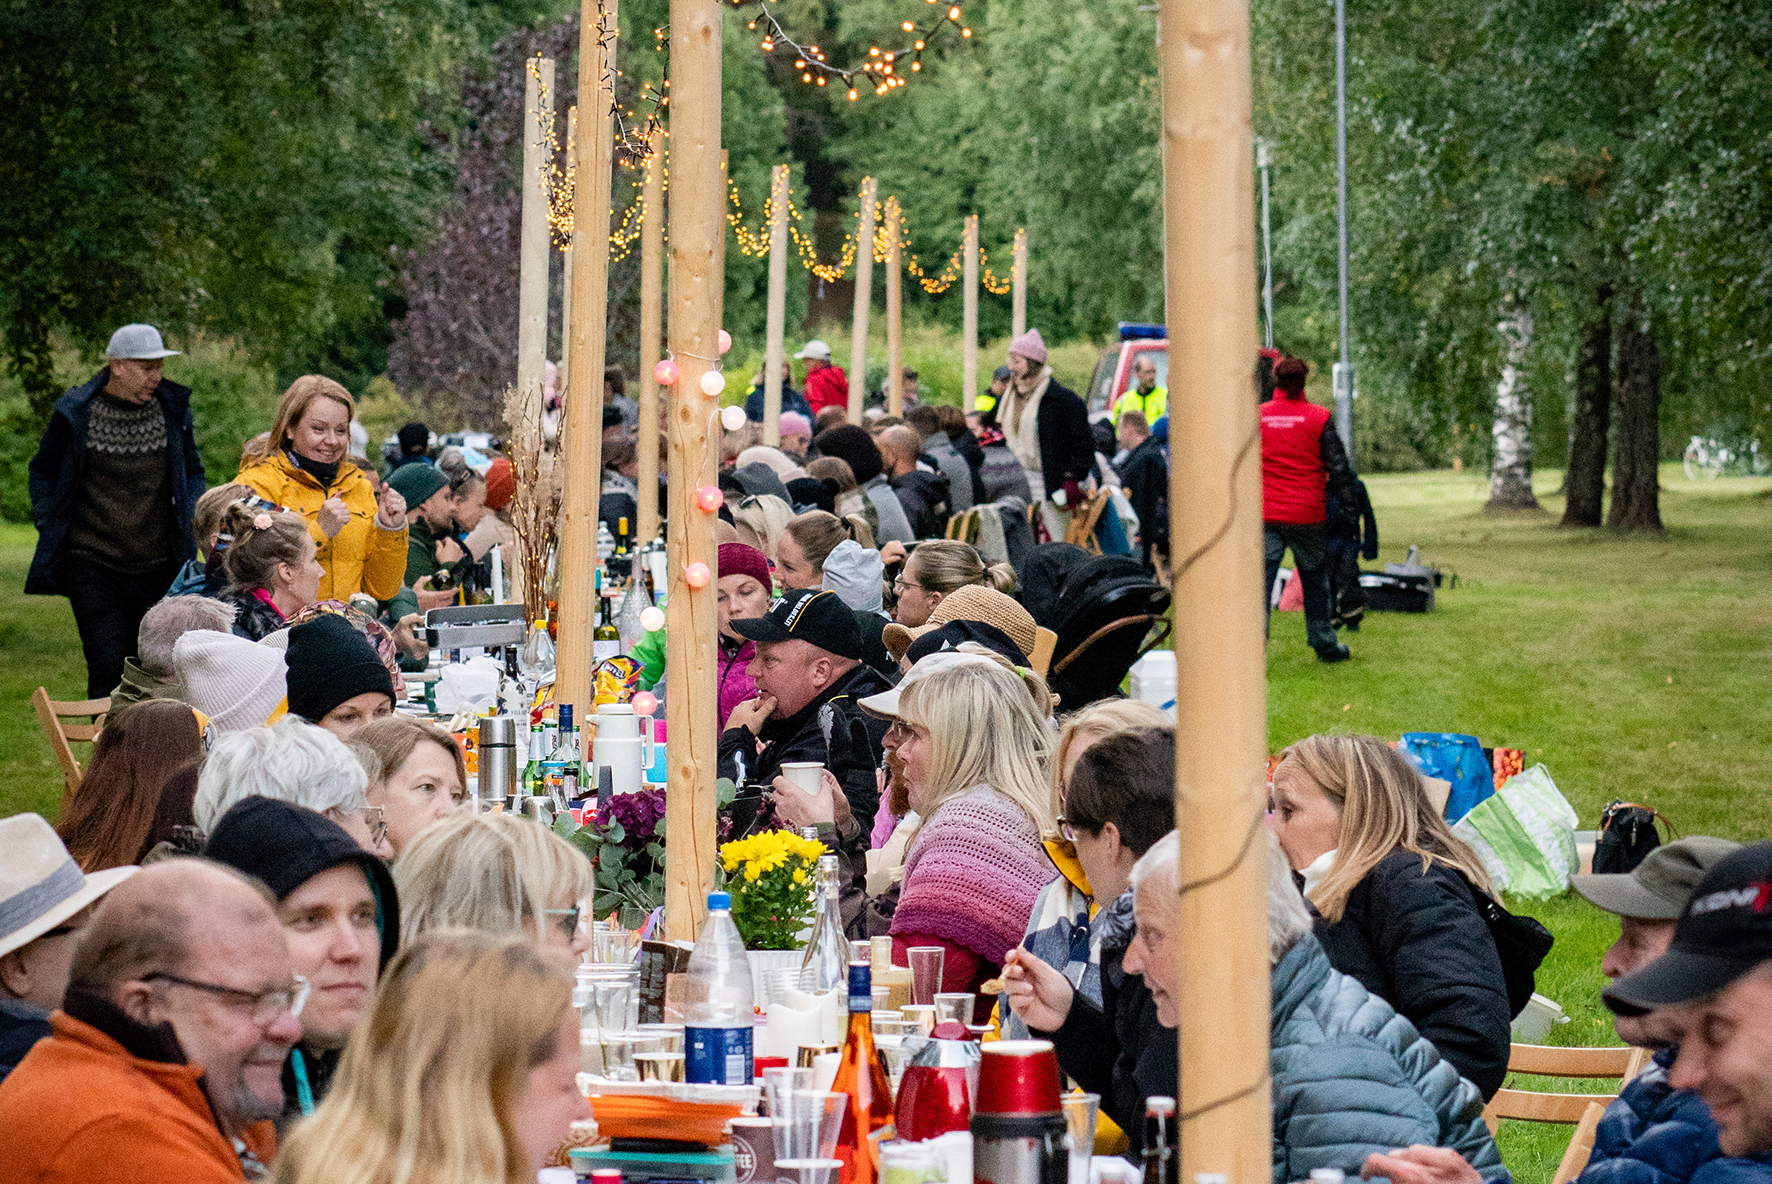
[
  {"x": 825, "y": 965},
  {"x": 560, "y": 770},
  {"x": 533, "y": 785},
  {"x": 862, "y": 1076},
  {"x": 1161, "y": 1165},
  {"x": 606, "y": 639}
]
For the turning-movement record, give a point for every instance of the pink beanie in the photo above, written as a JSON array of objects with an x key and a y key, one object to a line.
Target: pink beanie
[
  {"x": 795, "y": 424},
  {"x": 736, "y": 559},
  {"x": 1030, "y": 345}
]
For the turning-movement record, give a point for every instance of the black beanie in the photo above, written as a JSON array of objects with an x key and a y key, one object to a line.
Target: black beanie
[
  {"x": 285, "y": 846},
  {"x": 852, "y": 443},
  {"x": 330, "y": 662}
]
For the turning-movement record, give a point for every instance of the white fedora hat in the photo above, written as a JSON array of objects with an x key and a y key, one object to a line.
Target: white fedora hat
[{"x": 40, "y": 884}]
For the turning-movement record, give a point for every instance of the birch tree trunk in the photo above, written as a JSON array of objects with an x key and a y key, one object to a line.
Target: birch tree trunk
[{"x": 1510, "y": 474}]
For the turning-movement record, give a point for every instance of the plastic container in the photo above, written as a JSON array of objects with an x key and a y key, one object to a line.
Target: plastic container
[
  {"x": 1153, "y": 679},
  {"x": 717, "y": 1015}
]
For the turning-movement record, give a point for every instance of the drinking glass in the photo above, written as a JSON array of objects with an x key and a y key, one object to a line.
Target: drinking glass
[
  {"x": 779, "y": 1085},
  {"x": 1080, "y": 1111},
  {"x": 813, "y": 1119},
  {"x": 926, "y": 964},
  {"x": 954, "y": 1006}
]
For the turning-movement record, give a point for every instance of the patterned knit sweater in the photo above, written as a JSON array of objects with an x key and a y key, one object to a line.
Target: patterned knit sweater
[{"x": 972, "y": 874}]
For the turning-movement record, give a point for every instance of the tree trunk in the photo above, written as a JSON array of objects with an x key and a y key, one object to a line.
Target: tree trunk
[
  {"x": 1585, "y": 483},
  {"x": 1510, "y": 474},
  {"x": 1636, "y": 481}
]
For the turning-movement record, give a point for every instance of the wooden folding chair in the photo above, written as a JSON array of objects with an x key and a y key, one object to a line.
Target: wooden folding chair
[
  {"x": 63, "y": 736},
  {"x": 1581, "y": 1145},
  {"x": 1045, "y": 642},
  {"x": 1538, "y": 1060},
  {"x": 1081, "y": 530}
]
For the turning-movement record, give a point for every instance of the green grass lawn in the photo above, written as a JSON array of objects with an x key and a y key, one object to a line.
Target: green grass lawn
[{"x": 1633, "y": 667}]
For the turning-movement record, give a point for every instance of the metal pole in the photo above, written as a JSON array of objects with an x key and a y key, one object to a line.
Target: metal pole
[
  {"x": 1263, "y": 161},
  {"x": 1344, "y": 365}
]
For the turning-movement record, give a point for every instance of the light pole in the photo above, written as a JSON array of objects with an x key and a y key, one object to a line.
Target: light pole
[
  {"x": 1263, "y": 161},
  {"x": 1344, "y": 366}
]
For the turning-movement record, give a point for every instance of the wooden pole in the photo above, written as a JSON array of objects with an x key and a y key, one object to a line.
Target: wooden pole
[
  {"x": 583, "y": 443},
  {"x": 651, "y": 316},
  {"x": 563, "y": 370},
  {"x": 775, "y": 355},
  {"x": 969, "y": 318},
  {"x": 1215, "y": 522},
  {"x": 532, "y": 268},
  {"x": 698, "y": 236},
  {"x": 864, "y": 302},
  {"x": 894, "y": 311},
  {"x": 1018, "y": 278}
]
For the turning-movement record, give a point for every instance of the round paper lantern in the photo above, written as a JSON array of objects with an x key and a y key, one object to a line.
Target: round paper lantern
[
  {"x": 712, "y": 382},
  {"x": 652, "y": 618},
  {"x": 709, "y": 498},
  {"x": 732, "y": 418},
  {"x": 696, "y": 575},
  {"x": 666, "y": 373},
  {"x": 725, "y": 341},
  {"x": 644, "y": 703}
]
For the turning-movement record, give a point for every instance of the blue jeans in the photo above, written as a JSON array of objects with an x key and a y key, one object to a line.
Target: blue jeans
[{"x": 1310, "y": 551}]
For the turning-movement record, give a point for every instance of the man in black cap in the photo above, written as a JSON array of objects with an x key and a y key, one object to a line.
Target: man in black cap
[
  {"x": 340, "y": 916},
  {"x": 809, "y": 675}
]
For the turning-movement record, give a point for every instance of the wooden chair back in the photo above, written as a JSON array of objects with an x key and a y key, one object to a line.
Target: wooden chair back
[
  {"x": 1045, "y": 642},
  {"x": 1582, "y": 1111},
  {"x": 1581, "y": 1145},
  {"x": 1081, "y": 530},
  {"x": 54, "y": 717}
]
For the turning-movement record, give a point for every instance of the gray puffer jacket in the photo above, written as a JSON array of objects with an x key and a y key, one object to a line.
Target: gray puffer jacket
[{"x": 1352, "y": 1077}]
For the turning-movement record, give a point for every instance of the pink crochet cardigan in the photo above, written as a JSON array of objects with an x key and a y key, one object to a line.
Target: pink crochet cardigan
[{"x": 972, "y": 874}]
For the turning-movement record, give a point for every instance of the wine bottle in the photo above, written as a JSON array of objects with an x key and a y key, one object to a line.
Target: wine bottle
[
  {"x": 606, "y": 639},
  {"x": 860, "y": 1074},
  {"x": 825, "y": 965},
  {"x": 532, "y": 772},
  {"x": 560, "y": 770}
]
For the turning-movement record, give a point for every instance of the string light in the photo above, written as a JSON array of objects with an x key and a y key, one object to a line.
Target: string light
[{"x": 880, "y": 69}]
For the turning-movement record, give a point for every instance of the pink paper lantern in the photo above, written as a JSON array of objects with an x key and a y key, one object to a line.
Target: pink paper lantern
[
  {"x": 696, "y": 575},
  {"x": 709, "y": 498},
  {"x": 666, "y": 373},
  {"x": 645, "y": 703},
  {"x": 725, "y": 341}
]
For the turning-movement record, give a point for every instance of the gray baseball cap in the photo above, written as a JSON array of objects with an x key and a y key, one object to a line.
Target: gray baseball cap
[
  {"x": 139, "y": 342},
  {"x": 1662, "y": 884}
]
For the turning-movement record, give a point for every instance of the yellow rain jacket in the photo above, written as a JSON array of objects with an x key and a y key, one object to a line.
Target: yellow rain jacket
[{"x": 360, "y": 558}]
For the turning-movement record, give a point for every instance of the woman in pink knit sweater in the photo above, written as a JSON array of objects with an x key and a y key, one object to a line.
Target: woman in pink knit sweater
[{"x": 972, "y": 736}]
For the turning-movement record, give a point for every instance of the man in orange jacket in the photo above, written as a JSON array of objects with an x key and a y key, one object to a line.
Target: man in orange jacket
[{"x": 167, "y": 1055}]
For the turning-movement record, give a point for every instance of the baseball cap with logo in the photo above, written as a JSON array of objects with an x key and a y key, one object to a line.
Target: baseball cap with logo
[
  {"x": 1659, "y": 887},
  {"x": 138, "y": 342},
  {"x": 1725, "y": 932},
  {"x": 811, "y": 615}
]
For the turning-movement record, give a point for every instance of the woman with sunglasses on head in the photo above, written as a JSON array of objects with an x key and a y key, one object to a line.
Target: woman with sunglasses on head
[{"x": 499, "y": 874}]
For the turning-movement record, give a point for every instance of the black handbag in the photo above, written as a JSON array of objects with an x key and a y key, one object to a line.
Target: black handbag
[
  {"x": 1627, "y": 835},
  {"x": 1522, "y": 943}
]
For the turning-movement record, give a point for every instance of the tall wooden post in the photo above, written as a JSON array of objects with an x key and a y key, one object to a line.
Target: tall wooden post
[
  {"x": 1215, "y": 525},
  {"x": 894, "y": 310},
  {"x": 651, "y": 315},
  {"x": 1018, "y": 280},
  {"x": 864, "y": 302},
  {"x": 563, "y": 369},
  {"x": 583, "y": 442},
  {"x": 698, "y": 236},
  {"x": 969, "y": 316},
  {"x": 533, "y": 241},
  {"x": 774, "y": 353}
]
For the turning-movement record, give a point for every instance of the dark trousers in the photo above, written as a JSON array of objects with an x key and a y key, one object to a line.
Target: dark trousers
[
  {"x": 108, "y": 609},
  {"x": 1310, "y": 551}
]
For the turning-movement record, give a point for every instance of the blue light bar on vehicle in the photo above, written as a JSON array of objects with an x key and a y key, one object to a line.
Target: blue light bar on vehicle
[{"x": 1141, "y": 331}]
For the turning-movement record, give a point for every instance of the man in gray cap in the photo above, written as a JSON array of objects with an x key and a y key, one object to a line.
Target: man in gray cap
[{"x": 112, "y": 488}]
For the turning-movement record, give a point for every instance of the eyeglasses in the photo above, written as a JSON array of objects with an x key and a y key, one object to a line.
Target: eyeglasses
[
  {"x": 265, "y": 1006},
  {"x": 1069, "y": 830},
  {"x": 373, "y": 818},
  {"x": 902, "y": 730},
  {"x": 568, "y": 920},
  {"x": 900, "y": 584}
]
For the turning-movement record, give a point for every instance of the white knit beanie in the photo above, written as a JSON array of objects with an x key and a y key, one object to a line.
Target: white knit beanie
[{"x": 235, "y": 682}]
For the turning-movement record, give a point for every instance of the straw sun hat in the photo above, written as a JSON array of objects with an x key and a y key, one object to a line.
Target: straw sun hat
[
  {"x": 40, "y": 884},
  {"x": 975, "y": 602}
]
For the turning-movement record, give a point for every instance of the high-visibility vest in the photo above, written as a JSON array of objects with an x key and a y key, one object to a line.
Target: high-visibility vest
[{"x": 1153, "y": 406}]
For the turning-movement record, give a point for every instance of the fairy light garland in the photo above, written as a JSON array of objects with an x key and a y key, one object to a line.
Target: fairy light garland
[{"x": 883, "y": 70}]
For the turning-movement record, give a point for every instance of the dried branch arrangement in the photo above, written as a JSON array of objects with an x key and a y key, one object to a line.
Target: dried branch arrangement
[{"x": 535, "y": 507}]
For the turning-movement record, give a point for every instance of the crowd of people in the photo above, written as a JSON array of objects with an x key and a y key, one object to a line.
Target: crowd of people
[{"x": 267, "y": 938}]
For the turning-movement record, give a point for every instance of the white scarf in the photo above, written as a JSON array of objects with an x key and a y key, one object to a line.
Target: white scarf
[
  {"x": 1021, "y": 428},
  {"x": 1314, "y": 872}
]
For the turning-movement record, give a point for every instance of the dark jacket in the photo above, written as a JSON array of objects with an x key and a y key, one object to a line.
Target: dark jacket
[
  {"x": 852, "y": 751},
  {"x": 55, "y": 476},
  {"x": 924, "y": 497},
  {"x": 1655, "y": 1134},
  {"x": 1119, "y": 1050},
  {"x": 285, "y": 846},
  {"x": 1417, "y": 941},
  {"x": 972, "y": 452},
  {"x": 253, "y": 618},
  {"x": 21, "y": 1026},
  {"x": 791, "y": 400},
  {"x": 1067, "y": 447},
  {"x": 1145, "y": 475},
  {"x": 1351, "y": 1078}
]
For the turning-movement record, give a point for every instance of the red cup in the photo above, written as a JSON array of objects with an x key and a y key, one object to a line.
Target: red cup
[
  {"x": 762, "y": 1063},
  {"x": 1019, "y": 1077}
]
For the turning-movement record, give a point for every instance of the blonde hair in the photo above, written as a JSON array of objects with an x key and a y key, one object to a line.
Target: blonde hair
[
  {"x": 1384, "y": 807},
  {"x": 819, "y": 531},
  {"x": 1096, "y": 722},
  {"x": 491, "y": 872},
  {"x": 254, "y": 555},
  {"x": 834, "y": 468},
  {"x": 984, "y": 729},
  {"x": 946, "y": 565},
  {"x": 428, "y": 1084},
  {"x": 392, "y": 738},
  {"x": 765, "y": 516},
  {"x": 291, "y": 407}
]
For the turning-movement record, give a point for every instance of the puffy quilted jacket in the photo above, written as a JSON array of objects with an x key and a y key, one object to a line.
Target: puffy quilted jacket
[
  {"x": 1352, "y": 1077},
  {"x": 1655, "y": 1134}
]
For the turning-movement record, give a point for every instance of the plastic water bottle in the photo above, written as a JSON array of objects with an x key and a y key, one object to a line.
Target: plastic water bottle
[{"x": 717, "y": 1018}]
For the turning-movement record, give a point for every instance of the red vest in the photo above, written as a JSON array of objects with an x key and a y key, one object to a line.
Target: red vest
[{"x": 1292, "y": 475}]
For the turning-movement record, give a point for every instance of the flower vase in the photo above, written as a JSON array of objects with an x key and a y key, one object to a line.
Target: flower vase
[{"x": 763, "y": 964}]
